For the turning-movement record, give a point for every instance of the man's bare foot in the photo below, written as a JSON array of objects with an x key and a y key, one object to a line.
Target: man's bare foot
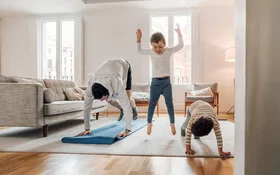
[
  {"x": 173, "y": 129},
  {"x": 149, "y": 128}
]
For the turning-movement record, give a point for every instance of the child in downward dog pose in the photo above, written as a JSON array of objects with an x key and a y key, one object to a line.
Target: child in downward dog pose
[
  {"x": 160, "y": 60},
  {"x": 201, "y": 118}
]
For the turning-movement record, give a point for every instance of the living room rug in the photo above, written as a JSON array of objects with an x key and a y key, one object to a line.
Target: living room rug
[{"x": 160, "y": 143}]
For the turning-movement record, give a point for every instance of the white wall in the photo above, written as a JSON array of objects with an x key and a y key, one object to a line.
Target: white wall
[
  {"x": 112, "y": 34},
  {"x": 259, "y": 56},
  {"x": 19, "y": 47},
  {"x": 217, "y": 34}
]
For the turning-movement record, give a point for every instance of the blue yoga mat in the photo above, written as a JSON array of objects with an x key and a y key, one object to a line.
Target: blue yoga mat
[{"x": 106, "y": 134}]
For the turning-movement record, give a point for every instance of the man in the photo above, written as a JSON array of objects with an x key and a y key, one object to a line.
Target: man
[{"x": 111, "y": 81}]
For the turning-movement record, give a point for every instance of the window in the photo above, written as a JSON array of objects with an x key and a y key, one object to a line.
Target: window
[
  {"x": 182, "y": 60},
  {"x": 160, "y": 24},
  {"x": 57, "y": 48},
  {"x": 49, "y": 46},
  {"x": 67, "y": 28},
  {"x": 50, "y": 64}
]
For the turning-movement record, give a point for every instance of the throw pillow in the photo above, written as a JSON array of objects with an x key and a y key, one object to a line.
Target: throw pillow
[
  {"x": 49, "y": 95},
  {"x": 202, "y": 92},
  {"x": 74, "y": 94},
  {"x": 81, "y": 91}
]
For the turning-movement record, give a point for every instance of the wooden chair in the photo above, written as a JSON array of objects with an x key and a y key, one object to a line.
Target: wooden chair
[
  {"x": 146, "y": 103},
  {"x": 212, "y": 100}
]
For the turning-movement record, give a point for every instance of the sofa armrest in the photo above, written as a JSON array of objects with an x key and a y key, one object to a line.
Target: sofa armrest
[{"x": 21, "y": 104}]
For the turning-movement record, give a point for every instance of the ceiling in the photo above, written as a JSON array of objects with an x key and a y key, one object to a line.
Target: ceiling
[{"x": 39, "y": 7}]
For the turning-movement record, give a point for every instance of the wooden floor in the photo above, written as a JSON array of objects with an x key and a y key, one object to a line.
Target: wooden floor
[{"x": 68, "y": 164}]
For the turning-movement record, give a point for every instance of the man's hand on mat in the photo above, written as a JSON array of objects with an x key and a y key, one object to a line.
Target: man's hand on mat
[
  {"x": 123, "y": 134},
  {"x": 87, "y": 131},
  {"x": 189, "y": 150}
]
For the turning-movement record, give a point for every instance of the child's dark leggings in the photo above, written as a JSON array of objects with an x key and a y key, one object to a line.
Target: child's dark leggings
[{"x": 161, "y": 86}]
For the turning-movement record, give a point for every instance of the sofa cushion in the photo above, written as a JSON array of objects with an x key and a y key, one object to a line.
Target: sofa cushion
[
  {"x": 199, "y": 86},
  {"x": 140, "y": 92},
  {"x": 190, "y": 98},
  {"x": 61, "y": 107},
  {"x": 140, "y": 96},
  {"x": 75, "y": 93},
  {"x": 202, "y": 92},
  {"x": 57, "y": 86},
  {"x": 49, "y": 95}
]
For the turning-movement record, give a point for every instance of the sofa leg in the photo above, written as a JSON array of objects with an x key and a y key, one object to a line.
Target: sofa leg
[
  {"x": 97, "y": 115},
  {"x": 45, "y": 130}
]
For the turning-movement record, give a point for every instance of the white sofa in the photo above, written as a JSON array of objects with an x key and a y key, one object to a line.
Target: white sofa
[{"x": 39, "y": 103}]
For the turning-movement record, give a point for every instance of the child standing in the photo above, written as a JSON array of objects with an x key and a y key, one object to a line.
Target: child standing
[
  {"x": 201, "y": 118},
  {"x": 160, "y": 59}
]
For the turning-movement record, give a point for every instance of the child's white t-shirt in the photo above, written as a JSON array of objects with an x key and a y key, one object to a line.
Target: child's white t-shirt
[{"x": 161, "y": 63}]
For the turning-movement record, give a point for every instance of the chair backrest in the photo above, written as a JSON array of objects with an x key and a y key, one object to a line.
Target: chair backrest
[
  {"x": 140, "y": 87},
  {"x": 199, "y": 86}
]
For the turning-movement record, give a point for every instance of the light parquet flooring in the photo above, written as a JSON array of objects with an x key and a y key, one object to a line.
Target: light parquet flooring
[{"x": 68, "y": 164}]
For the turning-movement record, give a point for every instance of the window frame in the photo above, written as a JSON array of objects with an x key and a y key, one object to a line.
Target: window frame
[
  {"x": 78, "y": 60},
  {"x": 195, "y": 57}
]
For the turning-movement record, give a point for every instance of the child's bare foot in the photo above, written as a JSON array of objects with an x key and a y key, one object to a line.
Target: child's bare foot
[
  {"x": 149, "y": 128},
  {"x": 173, "y": 129}
]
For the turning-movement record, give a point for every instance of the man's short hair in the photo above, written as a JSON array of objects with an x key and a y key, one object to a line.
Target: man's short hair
[
  {"x": 98, "y": 91},
  {"x": 202, "y": 126},
  {"x": 157, "y": 37}
]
